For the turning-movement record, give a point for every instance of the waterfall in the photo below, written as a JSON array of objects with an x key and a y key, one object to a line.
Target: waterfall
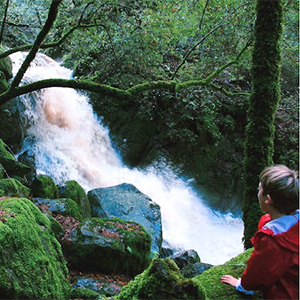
[{"x": 71, "y": 143}]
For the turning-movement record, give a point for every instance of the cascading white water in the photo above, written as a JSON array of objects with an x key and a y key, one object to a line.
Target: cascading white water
[{"x": 70, "y": 143}]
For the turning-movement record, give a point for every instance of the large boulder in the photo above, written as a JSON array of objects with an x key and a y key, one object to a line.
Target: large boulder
[
  {"x": 109, "y": 246},
  {"x": 210, "y": 279},
  {"x": 32, "y": 265},
  {"x": 72, "y": 189},
  {"x": 162, "y": 280},
  {"x": 126, "y": 202}
]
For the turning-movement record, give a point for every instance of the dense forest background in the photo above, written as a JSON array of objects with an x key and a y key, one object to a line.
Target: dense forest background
[{"x": 205, "y": 45}]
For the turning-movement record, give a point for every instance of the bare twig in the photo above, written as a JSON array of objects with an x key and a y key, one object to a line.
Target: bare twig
[
  {"x": 4, "y": 20},
  {"x": 203, "y": 39}
]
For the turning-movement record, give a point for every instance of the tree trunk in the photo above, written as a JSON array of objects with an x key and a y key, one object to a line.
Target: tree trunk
[{"x": 262, "y": 107}]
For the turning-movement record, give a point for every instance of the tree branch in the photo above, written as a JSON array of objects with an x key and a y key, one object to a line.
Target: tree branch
[
  {"x": 4, "y": 20},
  {"x": 41, "y": 36},
  {"x": 203, "y": 39},
  {"x": 68, "y": 83}
]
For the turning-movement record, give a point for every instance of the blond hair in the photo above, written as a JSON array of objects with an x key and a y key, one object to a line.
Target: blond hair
[{"x": 282, "y": 184}]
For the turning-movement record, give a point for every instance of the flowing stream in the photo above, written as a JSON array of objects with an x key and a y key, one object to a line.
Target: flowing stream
[{"x": 70, "y": 143}]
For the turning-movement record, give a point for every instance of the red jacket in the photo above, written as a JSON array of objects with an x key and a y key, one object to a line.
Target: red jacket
[{"x": 273, "y": 267}]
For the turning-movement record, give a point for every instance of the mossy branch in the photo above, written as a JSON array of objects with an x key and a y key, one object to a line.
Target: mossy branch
[
  {"x": 232, "y": 62},
  {"x": 137, "y": 89},
  {"x": 68, "y": 83}
]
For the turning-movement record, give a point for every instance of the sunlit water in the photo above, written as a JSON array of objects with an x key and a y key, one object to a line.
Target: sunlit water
[{"x": 70, "y": 143}]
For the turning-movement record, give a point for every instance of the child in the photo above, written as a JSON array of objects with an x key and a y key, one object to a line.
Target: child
[{"x": 273, "y": 267}]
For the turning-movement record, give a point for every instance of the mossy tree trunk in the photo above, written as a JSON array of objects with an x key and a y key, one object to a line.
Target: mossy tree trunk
[{"x": 262, "y": 107}]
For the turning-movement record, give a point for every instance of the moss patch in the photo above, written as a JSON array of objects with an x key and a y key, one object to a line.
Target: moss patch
[
  {"x": 211, "y": 279},
  {"x": 109, "y": 246},
  {"x": 43, "y": 186},
  {"x": 162, "y": 280},
  {"x": 31, "y": 261},
  {"x": 71, "y": 189},
  {"x": 13, "y": 188}
]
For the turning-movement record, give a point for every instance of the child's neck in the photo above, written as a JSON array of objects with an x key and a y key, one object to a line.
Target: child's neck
[{"x": 276, "y": 214}]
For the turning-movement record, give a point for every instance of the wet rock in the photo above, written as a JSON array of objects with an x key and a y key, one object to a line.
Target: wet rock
[
  {"x": 126, "y": 202},
  {"x": 185, "y": 258},
  {"x": 63, "y": 206}
]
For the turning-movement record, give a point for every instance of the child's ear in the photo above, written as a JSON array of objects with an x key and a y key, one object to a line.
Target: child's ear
[{"x": 269, "y": 199}]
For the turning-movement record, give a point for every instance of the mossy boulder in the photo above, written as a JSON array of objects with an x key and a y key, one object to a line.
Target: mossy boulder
[
  {"x": 126, "y": 202},
  {"x": 32, "y": 265},
  {"x": 63, "y": 206},
  {"x": 84, "y": 293},
  {"x": 10, "y": 164},
  {"x": 72, "y": 189},
  {"x": 211, "y": 279},
  {"x": 43, "y": 186},
  {"x": 109, "y": 246},
  {"x": 11, "y": 187},
  {"x": 162, "y": 280}
]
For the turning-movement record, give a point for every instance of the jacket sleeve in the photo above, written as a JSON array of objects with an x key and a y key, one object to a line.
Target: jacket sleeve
[{"x": 267, "y": 264}]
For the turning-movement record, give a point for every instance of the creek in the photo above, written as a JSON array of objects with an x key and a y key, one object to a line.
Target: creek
[{"x": 69, "y": 142}]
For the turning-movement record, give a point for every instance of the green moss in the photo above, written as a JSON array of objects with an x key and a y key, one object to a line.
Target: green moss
[
  {"x": 63, "y": 206},
  {"x": 43, "y": 186},
  {"x": 109, "y": 246},
  {"x": 31, "y": 261},
  {"x": 263, "y": 103},
  {"x": 5, "y": 65},
  {"x": 162, "y": 280},
  {"x": 211, "y": 279},
  {"x": 71, "y": 189},
  {"x": 84, "y": 293},
  {"x": 13, "y": 188}
]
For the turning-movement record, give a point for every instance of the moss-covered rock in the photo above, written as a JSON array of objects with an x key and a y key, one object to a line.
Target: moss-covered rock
[
  {"x": 63, "y": 206},
  {"x": 84, "y": 293},
  {"x": 32, "y": 265},
  {"x": 43, "y": 186},
  {"x": 162, "y": 280},
  {"x": 211, "y": 279},
  {"x": 10, "y": 164},
  {"x": 11, "y": 187},
  {"x": 71, "y": 189},
  {"x": 109, "y": 246}
]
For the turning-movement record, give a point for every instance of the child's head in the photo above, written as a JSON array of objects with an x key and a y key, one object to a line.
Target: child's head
[{"x": 282, "y": 184}]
